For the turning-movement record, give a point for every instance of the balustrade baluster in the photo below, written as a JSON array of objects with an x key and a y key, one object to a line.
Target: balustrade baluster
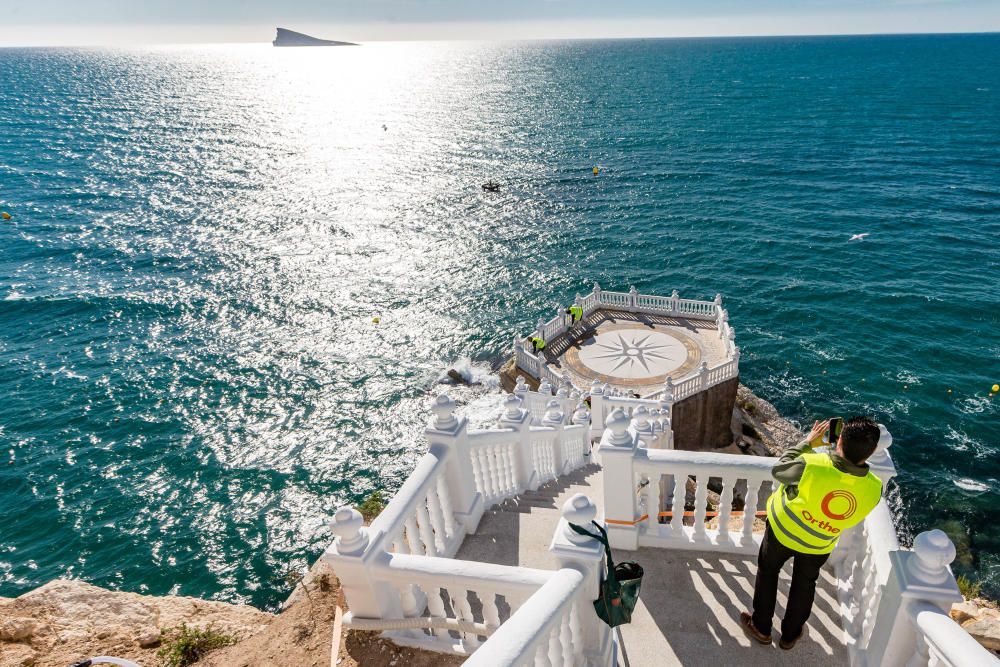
[
  {"x": 700, "y": 506},
  {"x": 399, "y": 544},
  {"x": 447, "y": 507},
  {"x": 477, "y": 472},
  {"x": 491, "y": 611},
  {"x": 426, "y": 533},
  {"x": 726, "y": 509},
  {"x": 437, "y": 520},
  {"x": 435, "y": 605},
  {"x": 408, "y": 599},
  {"x": 507, "y": 453},
  {"x": 750, "y": 510},
  {"x": 488, "y": 487},
  {"x": 677, "y": 510},
  {"x": 463, "y": 611},
  {"x": 653, "y": 504},
  {"x": 566, "y": 639},
  {"x": 922, "y": 656},
  {"x": 542, "y": 655},
  {"x": 413, "y": 537},
  {"x": 576, "y": 632},
  {"x": 555, "y": 646}
]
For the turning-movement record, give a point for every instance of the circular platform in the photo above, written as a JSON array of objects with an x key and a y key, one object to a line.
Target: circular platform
[{"x": 634, "y": 355}]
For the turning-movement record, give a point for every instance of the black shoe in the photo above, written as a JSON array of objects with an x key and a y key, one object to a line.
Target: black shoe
[
  {"x": 789, "y": 644},
  {"x": 746, "y": 621}
]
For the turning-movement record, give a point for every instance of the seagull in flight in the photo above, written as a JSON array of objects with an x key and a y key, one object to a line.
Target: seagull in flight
[{"x": 858, "y": 237}]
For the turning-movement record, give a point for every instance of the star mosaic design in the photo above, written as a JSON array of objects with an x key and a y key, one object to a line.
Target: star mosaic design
[{"x": 631, "y": 355}]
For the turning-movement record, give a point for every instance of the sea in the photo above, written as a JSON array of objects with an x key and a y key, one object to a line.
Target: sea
[{"x": 200, "y": 237}]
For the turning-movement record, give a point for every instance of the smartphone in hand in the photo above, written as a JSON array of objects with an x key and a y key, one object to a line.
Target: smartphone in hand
[{"x": 833, "y": 431}]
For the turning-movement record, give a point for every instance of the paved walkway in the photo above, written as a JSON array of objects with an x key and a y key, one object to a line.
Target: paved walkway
[
  {"x": 635, "y": 352},
  {"x": 690, "y": 600}
]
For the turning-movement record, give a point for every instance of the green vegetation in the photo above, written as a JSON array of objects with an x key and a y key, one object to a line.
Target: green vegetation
[
  {"x": 183, "y": 646},
  {"x": 372, "y": 505},
  {"x": 969, "y": 589}
]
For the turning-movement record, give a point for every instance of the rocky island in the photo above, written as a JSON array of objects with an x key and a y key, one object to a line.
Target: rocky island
[{"x": 287, "y": 37}]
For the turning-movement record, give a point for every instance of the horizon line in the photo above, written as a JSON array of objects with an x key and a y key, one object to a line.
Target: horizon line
[{"x": 761, "y": 35}]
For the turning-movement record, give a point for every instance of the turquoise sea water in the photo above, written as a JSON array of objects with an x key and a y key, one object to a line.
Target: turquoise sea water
[{"x": 189, "y": 377}]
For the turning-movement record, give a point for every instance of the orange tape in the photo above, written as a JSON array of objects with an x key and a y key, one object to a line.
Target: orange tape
[{"x": 670, "y": 515}]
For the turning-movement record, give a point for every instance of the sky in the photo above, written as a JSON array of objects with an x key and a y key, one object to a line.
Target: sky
[{"x": 56, "y": 22}]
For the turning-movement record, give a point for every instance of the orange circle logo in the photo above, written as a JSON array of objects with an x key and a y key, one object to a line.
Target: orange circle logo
[{"x": 839, "y": 505}]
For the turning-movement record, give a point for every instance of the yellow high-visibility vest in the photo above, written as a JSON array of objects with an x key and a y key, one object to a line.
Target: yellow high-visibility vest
[
  {"x": 576, "y": 312},
  {"x": 538, "y": 343},
  {"x": 829, "y": 502}
]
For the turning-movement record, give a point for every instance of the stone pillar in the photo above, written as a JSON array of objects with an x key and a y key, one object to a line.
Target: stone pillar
[
  {"x": 356, "y": 565},
  {"x": 918, "y": 575},
  {"x": 881, "y": 462},
  {"x": 449, "y": 432},
  {"x": 596, "y": 409},
  {"x": 633, "y": 295},
  {"x": 586, "y": 555},
  {"x": 617, "y": 447},
  {"x": 554, "y": 419},
  {"x": 675, "y": 307},
  {"x": 519, "y": 419},
  {"x": 597, "y": 295}
]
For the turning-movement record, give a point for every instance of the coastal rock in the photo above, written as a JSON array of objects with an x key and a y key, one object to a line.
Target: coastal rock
[
  {"x": 986, "y": 631},
  {"x": 66, "y": 621},
  {"x": 758, "y": 427}
]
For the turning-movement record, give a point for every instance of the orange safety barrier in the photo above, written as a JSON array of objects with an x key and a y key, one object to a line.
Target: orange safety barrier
[{"x": 670, "y": 515}]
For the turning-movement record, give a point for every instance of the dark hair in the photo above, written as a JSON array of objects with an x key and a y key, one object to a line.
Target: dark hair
[{"x": 859, "y": 439}]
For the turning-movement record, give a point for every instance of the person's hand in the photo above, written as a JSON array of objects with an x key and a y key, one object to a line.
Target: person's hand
[{"x": 816, "y": 434}]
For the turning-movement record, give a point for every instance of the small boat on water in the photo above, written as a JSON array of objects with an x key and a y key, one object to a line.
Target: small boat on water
[{"x": 491, "y": 186}]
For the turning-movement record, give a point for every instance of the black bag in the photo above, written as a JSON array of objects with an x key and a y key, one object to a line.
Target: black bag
[{"x": 619, "y": 591}]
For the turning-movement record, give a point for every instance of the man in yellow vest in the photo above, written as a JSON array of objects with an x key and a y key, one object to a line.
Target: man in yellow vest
[
  {"x": 820, "y": 496},
  {"x": 537, "y": 343},
  {"x": 576, "y": 314}
]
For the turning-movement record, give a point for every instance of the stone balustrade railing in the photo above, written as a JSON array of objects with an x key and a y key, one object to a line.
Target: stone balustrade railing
[
  {"x": 894, "y": 602},
  {"x": 672, "y": 306},
  {"x": 399, "y": 575}
]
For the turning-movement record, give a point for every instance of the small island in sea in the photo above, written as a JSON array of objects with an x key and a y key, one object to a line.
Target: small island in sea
[{"x": 287, "y": 37}]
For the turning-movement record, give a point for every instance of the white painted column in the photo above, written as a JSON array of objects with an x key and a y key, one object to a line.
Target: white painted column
[
  {"x": 881, "y": 462},
  {"x": 585, "y": 555},
  {"x": 616, "y": 449},
  {"x": 918, "y": 575},
  {"x": 554, "y": 419},
  {"x": 356, "y": 563},
  {"x": 597, "y": 416},
  {"x": 450, "y": 432},
  {"x": 519, "y": 419}
]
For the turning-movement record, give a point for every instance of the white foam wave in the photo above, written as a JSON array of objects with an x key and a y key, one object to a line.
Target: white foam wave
[
  {"x": 960, "y": 441},
  {"x": 472, "y": 373},
  {"x": 968, "y": 484},
  {"x": 975, "y": 405}
]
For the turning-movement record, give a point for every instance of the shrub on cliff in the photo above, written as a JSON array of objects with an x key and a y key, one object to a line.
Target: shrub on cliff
[
  {"x": 372, "y": 506},
  {"x": 183, "y": 646}
]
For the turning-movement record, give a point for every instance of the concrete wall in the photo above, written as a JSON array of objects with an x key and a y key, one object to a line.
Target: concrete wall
[{"x": 703, "y": 421}]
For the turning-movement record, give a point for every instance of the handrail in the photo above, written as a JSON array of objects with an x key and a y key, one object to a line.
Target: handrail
[
  {"x": 517, "y": 640},
  {"x": 396, "y": 512},
  {"x": 473, "y": 575},
  {"x": 674, "y": 460},
  {"x": 946, "y": 640}
]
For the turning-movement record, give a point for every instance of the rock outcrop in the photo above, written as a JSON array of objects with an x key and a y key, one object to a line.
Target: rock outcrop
[
  {"x": 286, "y": 37},
  {"x": 66, "y": 621},
  {"x": 981, "y": 619}
]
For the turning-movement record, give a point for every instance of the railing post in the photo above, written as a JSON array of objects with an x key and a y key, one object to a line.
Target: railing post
[
  {"x": 356, "y": 565},
  {"x": 519, "y": 419},
  {"x": 633, "y": 295},
  {"x": 597, "y": 295},
  {"x": 881, "y": 462},
  {"x": 703, "y": 374},
  {"x": 642, "y": 426},
  {"x": 918, "y": 575},
  {"x": 596, "y": 409},
  {"x": 451, "y": 433},
  {"x": 586, "y": 555},
  {"x": 675, "y": 303},
  {"x": 617, "y": 449},
  {"x": 544, "y": 387},
  {"x": 554, "y": 419}
]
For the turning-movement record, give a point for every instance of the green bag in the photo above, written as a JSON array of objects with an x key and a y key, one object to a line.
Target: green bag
[{"x": 620, "y": 589}]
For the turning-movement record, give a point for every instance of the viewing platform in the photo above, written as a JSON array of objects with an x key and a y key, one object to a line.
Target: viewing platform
[{"x": 474, "y": 556}]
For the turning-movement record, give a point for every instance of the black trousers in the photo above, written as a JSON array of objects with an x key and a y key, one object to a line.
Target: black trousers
[{"x": 805, "y": 572}]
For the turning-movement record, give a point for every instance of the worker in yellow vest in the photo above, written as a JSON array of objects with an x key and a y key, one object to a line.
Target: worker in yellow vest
[
  {"x": 575, "y": 313},
  {"x": 820, "y": 496},
  {"x": 537, "y": 343}
]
